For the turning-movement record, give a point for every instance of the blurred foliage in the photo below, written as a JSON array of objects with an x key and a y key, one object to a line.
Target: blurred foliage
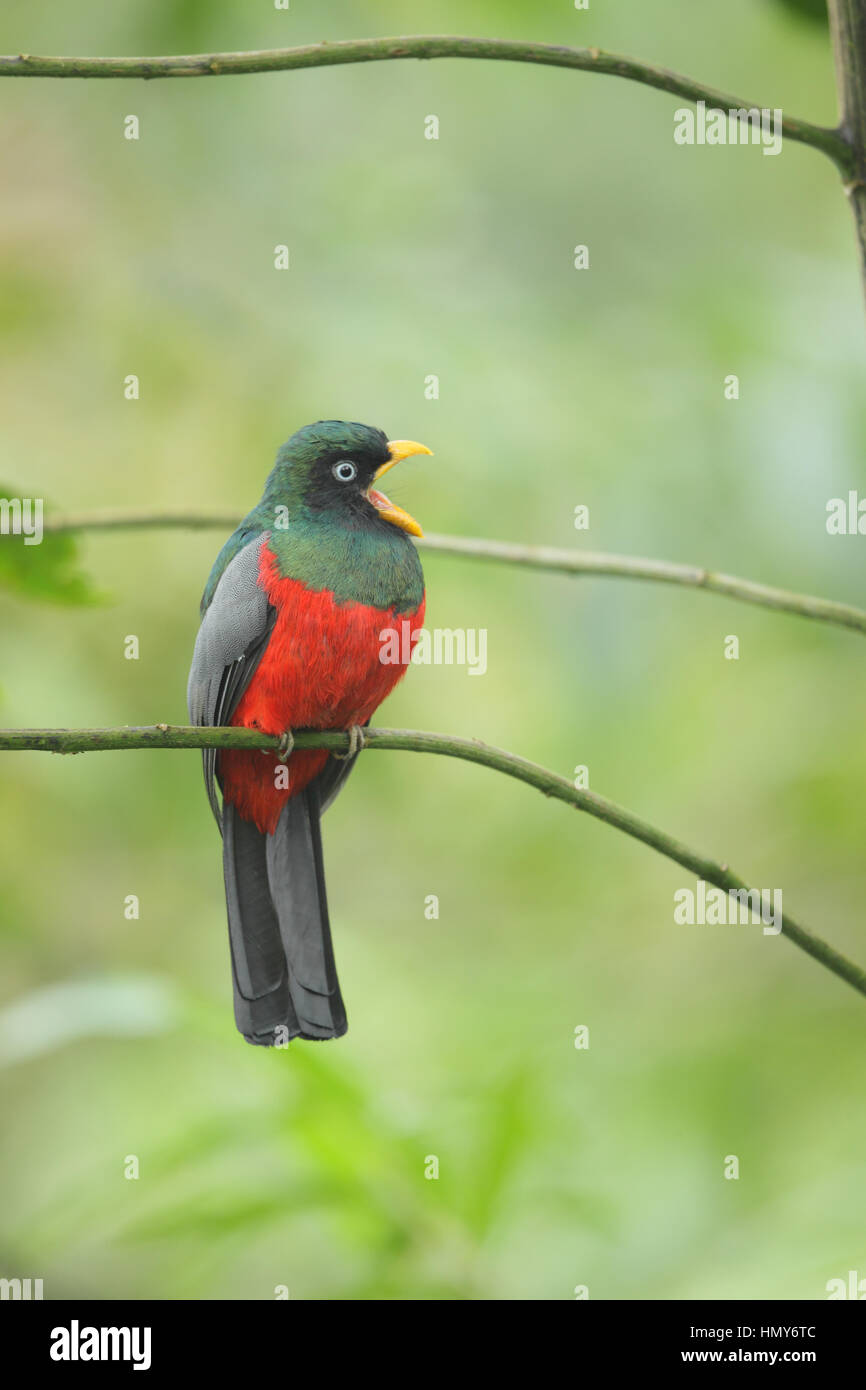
[
  {"x": 557, "y": 1166},
  {"x": 815, "y": 11},
  {"x": 47, "y": 570}
]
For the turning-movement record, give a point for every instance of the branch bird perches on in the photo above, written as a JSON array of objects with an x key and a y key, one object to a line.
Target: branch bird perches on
[{"x": 416, "y": 741}]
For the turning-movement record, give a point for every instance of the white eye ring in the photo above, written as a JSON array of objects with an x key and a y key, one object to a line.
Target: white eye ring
[{"x": 344, "y": 472}]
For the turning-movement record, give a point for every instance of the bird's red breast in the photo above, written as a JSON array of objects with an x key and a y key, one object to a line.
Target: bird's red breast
[{"x": 320, "y": 670}]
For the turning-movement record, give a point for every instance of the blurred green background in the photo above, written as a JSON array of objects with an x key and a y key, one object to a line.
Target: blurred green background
[{"x": 558, "y": 1167}]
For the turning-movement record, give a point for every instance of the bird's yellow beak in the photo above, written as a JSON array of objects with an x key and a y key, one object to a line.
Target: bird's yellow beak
[{"x": 398, "y": 449}]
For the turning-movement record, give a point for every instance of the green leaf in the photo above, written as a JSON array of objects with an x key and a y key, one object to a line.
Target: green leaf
[{"x": 47, "y": 570}]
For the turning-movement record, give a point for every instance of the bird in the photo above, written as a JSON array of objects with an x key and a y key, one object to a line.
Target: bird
[{"x": 294, "y": 616}]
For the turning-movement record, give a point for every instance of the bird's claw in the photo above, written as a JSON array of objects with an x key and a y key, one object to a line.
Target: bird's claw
[
  {"x": 285, "y": 746},
  {"x": 356, "y": 743}
]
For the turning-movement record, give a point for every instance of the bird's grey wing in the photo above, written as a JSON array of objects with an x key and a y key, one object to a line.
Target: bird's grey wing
[{"x": 232, "y": 638}]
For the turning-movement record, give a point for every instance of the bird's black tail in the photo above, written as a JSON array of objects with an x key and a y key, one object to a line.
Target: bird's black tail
[{"x": 285, "y": 979}]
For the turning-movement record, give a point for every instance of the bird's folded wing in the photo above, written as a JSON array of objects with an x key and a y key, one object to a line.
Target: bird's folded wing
[{"x": 231, "y": 641}]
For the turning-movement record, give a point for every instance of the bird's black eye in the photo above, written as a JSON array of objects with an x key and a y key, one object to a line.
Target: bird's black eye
[{"x": 344, "y": 471}]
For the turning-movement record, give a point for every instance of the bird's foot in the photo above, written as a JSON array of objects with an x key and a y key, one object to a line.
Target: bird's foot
[
  {"x": 356, "y": 743},
  {"x": 286, "y": 744}
]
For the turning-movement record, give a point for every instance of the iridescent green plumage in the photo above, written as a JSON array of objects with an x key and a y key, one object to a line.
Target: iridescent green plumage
[{"x": 350, "y": 552}]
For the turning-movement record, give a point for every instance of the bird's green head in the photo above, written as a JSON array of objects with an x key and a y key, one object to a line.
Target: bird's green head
[{"x": 328, "y": 470}]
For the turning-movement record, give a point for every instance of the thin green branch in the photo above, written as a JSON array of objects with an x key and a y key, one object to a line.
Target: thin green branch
[
  {"x": 659, "y": 571},
  {"x": 829, "y": 142},
  {"x": 122, "y": 520},
  {"x": 534, "y": 556},
  {"x": 415, "y": 741}
]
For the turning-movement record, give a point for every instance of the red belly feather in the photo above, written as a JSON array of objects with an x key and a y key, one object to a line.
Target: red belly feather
[{"x": 320, "y": 670}]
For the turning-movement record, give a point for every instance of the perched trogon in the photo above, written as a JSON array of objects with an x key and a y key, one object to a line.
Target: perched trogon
[{"x": 295, "y": 617}]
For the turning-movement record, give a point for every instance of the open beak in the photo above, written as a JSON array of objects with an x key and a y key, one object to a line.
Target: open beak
[{"x": 398, "y": 449}]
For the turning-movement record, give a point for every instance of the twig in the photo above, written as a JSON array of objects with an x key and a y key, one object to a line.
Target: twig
[
  {"x": 660, "y": 571},
  {"x": 415, "y": 741},
  {"x": 830, "y": 142},
  {"x": 534, "y": 556}
]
